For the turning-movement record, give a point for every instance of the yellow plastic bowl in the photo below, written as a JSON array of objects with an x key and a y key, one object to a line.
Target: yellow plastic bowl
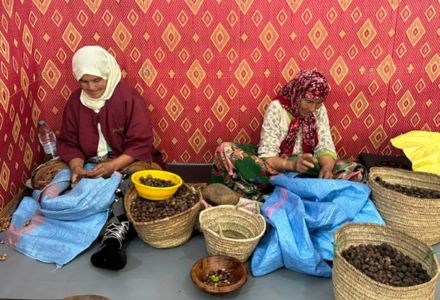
[{"x": 156, "y": 193}]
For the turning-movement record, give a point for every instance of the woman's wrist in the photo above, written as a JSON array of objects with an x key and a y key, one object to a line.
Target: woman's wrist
[
  {"x": 114, "y": 166},
  {"x": 289, "y": 165},
  {"x": 77, "y": 168},
  {"x": 284, "y": 166},
  {"x": 327, "y": 162},
  {"x": 121, "y": 162},
  {"x": 76, "y": 165},
  {"x": 280, "y": 165}
]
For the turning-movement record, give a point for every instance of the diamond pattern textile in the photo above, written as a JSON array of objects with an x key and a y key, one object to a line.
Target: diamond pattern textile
[{"x": 207, "y": 69}]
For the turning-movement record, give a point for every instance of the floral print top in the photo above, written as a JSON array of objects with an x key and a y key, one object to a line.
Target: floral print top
[{"x": 276, "y": 124}]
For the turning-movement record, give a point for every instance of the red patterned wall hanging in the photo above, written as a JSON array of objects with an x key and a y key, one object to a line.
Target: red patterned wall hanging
[{"x": 207, "y": 69}]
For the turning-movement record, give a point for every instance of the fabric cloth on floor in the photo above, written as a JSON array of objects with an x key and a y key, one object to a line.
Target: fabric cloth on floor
[
  {"x": 238, "y": 167},
  {"x": 304, "y": 214},
  {"x": 422, "y": 148},
  {"x": 54, "y": 227}
]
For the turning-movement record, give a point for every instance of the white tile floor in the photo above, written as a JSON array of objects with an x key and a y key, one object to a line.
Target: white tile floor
[{"x": 150, "y": 274}]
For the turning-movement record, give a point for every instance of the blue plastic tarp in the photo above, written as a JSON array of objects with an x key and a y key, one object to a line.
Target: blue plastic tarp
[
  {"x": 55, "y": 227},
  {"x": 303, "y": 214}
]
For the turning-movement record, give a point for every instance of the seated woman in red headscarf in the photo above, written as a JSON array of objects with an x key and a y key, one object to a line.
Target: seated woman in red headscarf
[{"x": 295, "y": 137}]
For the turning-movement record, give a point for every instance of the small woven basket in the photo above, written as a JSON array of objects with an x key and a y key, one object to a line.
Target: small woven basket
[
  {"x": 350, "y": 283},
  {"x": 232, "y": 231},
  {"x": 419, "y": 217},
  {"x": 168, "y": 232},
  {"x": 44, "y": 173}
]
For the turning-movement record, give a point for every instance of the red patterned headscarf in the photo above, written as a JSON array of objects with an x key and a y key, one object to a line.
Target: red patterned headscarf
[{"x": 309, "y": 84}]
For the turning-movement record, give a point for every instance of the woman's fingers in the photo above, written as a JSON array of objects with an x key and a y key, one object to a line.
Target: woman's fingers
[
  {"x": 74, "y": 178},
  {"x": 77, "y": 173},
  {"x": 95, "y": 172},
  {"x": 304, "y": 163},
  {"x": 326, "y": 174},
  {"x": 101, "y": 170}
]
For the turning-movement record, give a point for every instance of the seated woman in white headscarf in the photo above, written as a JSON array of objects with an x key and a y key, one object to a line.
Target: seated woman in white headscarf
[{"x": 106, "y": 122}]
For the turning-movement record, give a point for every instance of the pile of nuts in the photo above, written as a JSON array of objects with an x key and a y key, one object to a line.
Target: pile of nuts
[
  {"x": 3, "y": 256},
  {"x": 409, "y": 191},
  {"x": 143, "y": 210},
  {"x": 4, "y": 224},
  {"x": 218, "y": 278},
  {"x": 155, "y": 182},
  {"x": 385, "y": 264}
]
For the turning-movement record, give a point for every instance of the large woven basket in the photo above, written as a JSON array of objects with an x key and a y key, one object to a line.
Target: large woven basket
[
  {"x": 232, "y": 231},
  {"x": 167, "y": 232},
  {"x": 419, "y": 217},
  {"x": 350, "y": 283}
]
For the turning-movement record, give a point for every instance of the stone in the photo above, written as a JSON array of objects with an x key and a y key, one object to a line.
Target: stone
[{"x": 218, "y": 194}]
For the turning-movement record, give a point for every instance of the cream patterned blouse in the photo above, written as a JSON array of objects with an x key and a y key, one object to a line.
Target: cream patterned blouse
[{"x": 276, "y": 124}]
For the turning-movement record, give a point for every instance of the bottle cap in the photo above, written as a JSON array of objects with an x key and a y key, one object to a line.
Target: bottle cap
[{"x": 41, "y": 122}]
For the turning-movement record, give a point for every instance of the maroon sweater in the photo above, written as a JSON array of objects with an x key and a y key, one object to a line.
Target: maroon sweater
[{"x": 125, "y": 124}]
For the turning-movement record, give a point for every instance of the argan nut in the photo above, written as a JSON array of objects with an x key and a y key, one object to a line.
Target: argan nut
[{"x": 311, "y": 159}]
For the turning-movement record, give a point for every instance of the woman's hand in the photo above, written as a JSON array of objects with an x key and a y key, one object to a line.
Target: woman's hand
[
  {"x": 104, "y": 169},
  {"x": 76, "y": 166},
  {"x": 327, "y": 163},
  {"x": 325, "y": 173},
  {"x": 276, "y": 165},
  {"x": 77, "y": 173},
  {"x": 304, "y": 162},
  {"x": 107, "y": 168},
  {"x": 282, "y": 164}
]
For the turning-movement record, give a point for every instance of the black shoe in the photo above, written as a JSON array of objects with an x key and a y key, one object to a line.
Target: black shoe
[{"x": 111, "y": 254}]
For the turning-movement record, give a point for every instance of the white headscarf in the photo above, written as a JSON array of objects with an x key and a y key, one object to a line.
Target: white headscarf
[{"x": 96, "y": 61}]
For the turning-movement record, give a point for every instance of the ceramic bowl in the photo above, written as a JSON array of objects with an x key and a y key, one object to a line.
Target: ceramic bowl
[{"x": 214, "y": 263}]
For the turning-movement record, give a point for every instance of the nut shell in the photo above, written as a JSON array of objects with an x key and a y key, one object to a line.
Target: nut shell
[{"x": 218, "y": 194}]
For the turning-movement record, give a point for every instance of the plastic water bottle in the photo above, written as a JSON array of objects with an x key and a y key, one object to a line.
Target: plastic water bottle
[{"x": 47, "y": 139}]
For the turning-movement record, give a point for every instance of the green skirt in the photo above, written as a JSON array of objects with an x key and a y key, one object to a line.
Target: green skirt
[{"x": 238, "y": 167}]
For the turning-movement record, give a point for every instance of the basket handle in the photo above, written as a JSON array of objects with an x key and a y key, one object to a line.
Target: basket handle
[{"x": 220, "y": 231}]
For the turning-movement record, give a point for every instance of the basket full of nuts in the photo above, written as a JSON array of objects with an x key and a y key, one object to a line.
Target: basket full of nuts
[
  {"x": 379, "y": 262},
  {"x": 166, "y": 223},
  {"x": 408, "y": 201}
]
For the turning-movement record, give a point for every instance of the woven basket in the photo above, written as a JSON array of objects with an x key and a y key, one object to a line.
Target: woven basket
[
  {"x": 419, "y": 217},
  {"x": 44, "y": 173},
  {"x": 168, "y": 232},
  {"x": 350, "y": 283},
  {"x": 232, "y": 231},
  {"x": 140, "y": 165}
]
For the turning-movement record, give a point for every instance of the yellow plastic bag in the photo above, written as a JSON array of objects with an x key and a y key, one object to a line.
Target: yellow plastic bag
[{"x": 422, "y": 148}]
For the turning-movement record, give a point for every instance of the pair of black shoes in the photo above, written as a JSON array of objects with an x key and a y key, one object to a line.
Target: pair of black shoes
[{"x": 111, "y": 254}]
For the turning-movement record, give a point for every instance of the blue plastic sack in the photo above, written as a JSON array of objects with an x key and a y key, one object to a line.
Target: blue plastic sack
[
  {"x": 62, "y": 225},
  {"x": 303, "y": 214}
]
